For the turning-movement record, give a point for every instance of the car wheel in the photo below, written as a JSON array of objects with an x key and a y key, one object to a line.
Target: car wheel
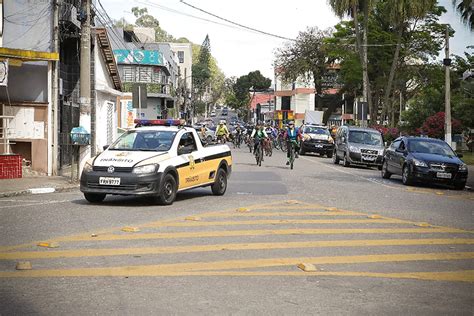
[
  {"x": 94, "y": 197},
  {"x": 406, "y": 176},
  {"x": 385, "y": 173},
  {"x": 220, "y": 184},
  {"x": 346, "y": 162},
  {"x": 329, "y": 154},
  {"x": 459, "y": 185},
  {"x": 168, "y": 190},
  {"x": 335, "y": 158}
]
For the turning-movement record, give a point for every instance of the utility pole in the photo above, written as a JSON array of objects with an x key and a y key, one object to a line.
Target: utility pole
[
  {"x": 85, "y": 78},
  {"x": 447, "y": 100},
  {"x": 55, "y": 94}
]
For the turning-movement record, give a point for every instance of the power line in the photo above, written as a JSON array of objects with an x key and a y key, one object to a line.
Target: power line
[
  {"x": 185, "y": 14},
  {"x": 238, "y": 24}
]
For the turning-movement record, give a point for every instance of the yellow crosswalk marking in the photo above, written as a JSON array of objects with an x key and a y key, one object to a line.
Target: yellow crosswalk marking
[
  {"x": 281, "y": 214},
  {"x": 230, "y": 247},
  {"x": 264, "y": 232},
  {"x": 280, "y": 221},
  {"x": 172, "y": 269}
]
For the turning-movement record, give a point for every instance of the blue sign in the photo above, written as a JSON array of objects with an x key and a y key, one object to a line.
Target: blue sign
[{"x": 139, "y": 57}]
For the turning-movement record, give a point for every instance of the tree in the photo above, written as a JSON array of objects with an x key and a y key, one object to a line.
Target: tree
[
  {"x": 201, "y": 69},
  {"x": 307, "y": 59},
  {"x": 434, "y": 126},
  {"x": 353, "y": 8},
  {"x": 403, "y": 13},
  {"x": 466, "y": 9},
  {"x": 143, "y": 19},
  {"x": 239, "y": 97}
]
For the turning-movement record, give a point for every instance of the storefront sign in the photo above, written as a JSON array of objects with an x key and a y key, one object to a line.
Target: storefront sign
[{"x": 138, "y": 57}]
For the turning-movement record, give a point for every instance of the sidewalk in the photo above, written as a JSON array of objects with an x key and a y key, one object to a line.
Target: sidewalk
[{"x": 34, "y": 185}]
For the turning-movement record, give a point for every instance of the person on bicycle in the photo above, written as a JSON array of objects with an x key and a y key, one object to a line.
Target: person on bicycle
[
  {"x": 292, "y": 134},
  {"x": 221, "y": 131},
  {"x": 258, "y": 134}
]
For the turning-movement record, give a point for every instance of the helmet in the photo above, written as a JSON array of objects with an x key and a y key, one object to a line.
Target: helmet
[
  {"x": 222, "y": 122},
  {"x": 290, "y": 123}
]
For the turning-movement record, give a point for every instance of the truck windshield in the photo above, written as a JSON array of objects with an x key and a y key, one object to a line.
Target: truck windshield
[
  {"x": 144, "y": 141},
  {"x": 363, "y": 137}
]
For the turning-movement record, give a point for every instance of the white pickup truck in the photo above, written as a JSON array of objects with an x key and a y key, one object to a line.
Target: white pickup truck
[{"x": 157, "y": 158}]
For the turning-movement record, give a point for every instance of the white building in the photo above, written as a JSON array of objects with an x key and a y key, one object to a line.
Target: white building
[
  {"x": 184, "y": 53},
  {"x": 108, "y": 88}
]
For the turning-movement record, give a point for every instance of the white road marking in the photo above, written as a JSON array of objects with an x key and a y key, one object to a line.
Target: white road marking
[{"x": 349, "y": 173}]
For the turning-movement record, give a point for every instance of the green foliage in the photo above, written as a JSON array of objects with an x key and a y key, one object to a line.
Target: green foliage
[
  {"x": 253, "y": 80},
  {"x": 466, "y": 9}
]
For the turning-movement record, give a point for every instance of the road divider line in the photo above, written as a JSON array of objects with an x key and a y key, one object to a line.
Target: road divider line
[
  {"x": 264, "y": 232},
  {"x": 230, "y": 247},
  {"x": 163, "y": 269}
]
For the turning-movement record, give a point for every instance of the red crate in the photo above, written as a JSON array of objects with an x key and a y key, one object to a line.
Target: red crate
[{"x": 10, "y": 166}]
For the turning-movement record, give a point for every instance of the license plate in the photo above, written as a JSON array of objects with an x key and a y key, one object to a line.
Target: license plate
[
  {"x": 443, "y": 175},
  {"x": 109, "y": 181},
  {"x": 318, "y": 145},
  {"x": 370, "y": 158}
]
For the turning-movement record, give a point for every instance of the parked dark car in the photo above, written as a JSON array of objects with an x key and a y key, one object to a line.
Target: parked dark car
[
  {"x": 419, "y": 159},
  {"x": 358, "y": 146},
  {"x": 316, "y": 139}
]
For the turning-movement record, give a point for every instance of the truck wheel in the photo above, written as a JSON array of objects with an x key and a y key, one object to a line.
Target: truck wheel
[
  {"x": 168, "y": 190},
  {"x": 94, "y": 197},
  {"x": 220, "y": 184}
]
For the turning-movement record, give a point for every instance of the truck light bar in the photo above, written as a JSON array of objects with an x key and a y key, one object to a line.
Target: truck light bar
[{"x": 162, "y": 122}]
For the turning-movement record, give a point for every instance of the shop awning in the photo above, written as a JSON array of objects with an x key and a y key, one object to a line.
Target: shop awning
[{"x": 22, "y": 55}]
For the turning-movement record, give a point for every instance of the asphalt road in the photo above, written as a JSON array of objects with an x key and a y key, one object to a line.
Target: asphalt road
[{"x": 378, "y": 247}]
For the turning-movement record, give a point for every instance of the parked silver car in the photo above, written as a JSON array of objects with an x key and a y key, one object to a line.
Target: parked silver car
[{"x": 358, "y": 146}]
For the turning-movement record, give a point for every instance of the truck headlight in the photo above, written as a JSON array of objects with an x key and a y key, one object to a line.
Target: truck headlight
[
  {"x": 145, "y": 169},
  {"x": 419, "y": 163},
  {"x": 354, "y": 149},
  {"x": 463, "y": 167},
  {"x": 87, "y": 167}
]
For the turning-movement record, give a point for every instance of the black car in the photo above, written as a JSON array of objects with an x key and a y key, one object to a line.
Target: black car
[
  {"x": 316, "y": 139},
  {"x": 419, "y": 159}
]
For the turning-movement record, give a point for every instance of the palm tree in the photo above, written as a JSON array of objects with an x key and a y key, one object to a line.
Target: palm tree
[
  {"x": 466, "y": 9},
  {"x": 354, "y": 8},
  {"x": 402, "y": 13}
]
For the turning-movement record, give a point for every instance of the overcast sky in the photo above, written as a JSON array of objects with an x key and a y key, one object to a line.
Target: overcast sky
[{"x": 240, "y": 51}]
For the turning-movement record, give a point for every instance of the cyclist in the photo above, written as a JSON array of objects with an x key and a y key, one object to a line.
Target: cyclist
[
  {"x": 258, "y": 134},
  {"x": 238, "y": 135},
  {"x": 292, "y": 134},
  {"x": 221, "y": 131}
]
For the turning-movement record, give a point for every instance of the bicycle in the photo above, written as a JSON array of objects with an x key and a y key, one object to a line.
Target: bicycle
[
  {"x": 248, "y": 142},
  {"x": 259, "y": 152},
  {"x": 291, "y": 159},
  {"x": 237, "y": 141},
  {"x": 221, "y": 139}
]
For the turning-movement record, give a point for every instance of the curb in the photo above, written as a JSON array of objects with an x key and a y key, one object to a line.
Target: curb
[{"x": 39, "y": 191}]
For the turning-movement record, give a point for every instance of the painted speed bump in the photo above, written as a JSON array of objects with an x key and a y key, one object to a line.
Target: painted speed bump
[
  {"x": 192, "y": 218},
  {"x": 131, "y": 229},
  {"x": 243, "y": 210},
  {"x": 23, "y": 265},
  {"x": 423, "y": 224},
  {"x": 374, "y": 216},
  {"x": 48, "y": 244},
  {"x": 307, "y": 267}
]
